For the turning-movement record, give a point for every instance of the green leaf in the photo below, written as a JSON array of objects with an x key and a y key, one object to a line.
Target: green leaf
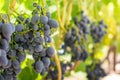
[
  {"x": 29, "y": 4},
  {"x": 81, "y": 67},
  {"x": 28, "y": 72}
]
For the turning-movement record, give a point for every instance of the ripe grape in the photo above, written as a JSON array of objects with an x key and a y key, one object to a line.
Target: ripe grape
[
  {"x": 4, "y": 44},
  {"x": 39, "y": 66},
  {"x": 44, "y": 19},
  {"x": 47, "y": 32},
  {"x": 53, "y": 23},
  {"x": 6, "y": 30},
  {"x": 38, "y": 7},
  {"x": 42, "y": 53},
  {"x": 46, "y": 27},
  {"x": 35, "y": 19},
  {"x": 3, "y": 60},
  {"x": 11, "y": 53},
  {"x": 19, "y": 27},
  {"x": 38, "y": 48},
  {"x": 50, "y": 51},
  {"x": 46, "y": 61},
  {"x": 16, "y": 64}
]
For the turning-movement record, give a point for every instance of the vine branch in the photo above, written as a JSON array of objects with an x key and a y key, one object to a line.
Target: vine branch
[{"x": 69, "y": 13}]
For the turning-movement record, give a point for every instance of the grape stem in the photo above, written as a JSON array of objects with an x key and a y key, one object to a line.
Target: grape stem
[
  {"x": 57, "y": 62},
  {"x": 58, "y": 66}
]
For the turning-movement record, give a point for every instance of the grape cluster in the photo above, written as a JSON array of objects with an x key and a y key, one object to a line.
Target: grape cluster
[
  {"x": 94, "y": 71},
  {"x": 31, "y": 35},
  {"x": 40, "y": 28},
  {"x": 72, "y": 43},
  {"x": 75, "y": 36},
  {"x": 97, "y": 32},
  {"x": 53, "y": 73},
  {"x": 35, "y": 37},
  {"x": 72, "y": 40}
]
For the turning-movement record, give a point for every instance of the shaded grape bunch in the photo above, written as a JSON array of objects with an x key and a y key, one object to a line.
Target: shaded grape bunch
[
  {"x": 72, "y": 41},
  {"x": 94, "y": 71},
  {"x": 82, "y": 24},
  {"x": 53, "y": 73},
  {"x": 75, "y": 37},
  {"x": 97, "y": 32}
]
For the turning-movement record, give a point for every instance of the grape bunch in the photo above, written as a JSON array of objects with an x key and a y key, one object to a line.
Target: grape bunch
[
  {"x": 82, "y": 24},
  {"x": 34, "y": 36},
  {"x": 75, "y": 38},
  {"x": 53, "y": 73},
  {"x": 97, "y": 32},
  {"x": 40, "y": 28},
  {"x": 72, "y": 43},
  {"x": 31, "y": 35},
  {"x": 94, "y": 71}
]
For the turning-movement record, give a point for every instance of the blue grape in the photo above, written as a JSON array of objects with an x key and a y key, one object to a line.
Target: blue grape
[
  {"x": 38, "y": 7},
  {"x": 47, "y": 32},
  {"x": 35, "y": 19},
  {"x": 43, "y": 71},
  {"x": 39, "y": 66},
  {"x": 35, "y": 27},
  {"x": 11, "y": 53},
  {"x": 21, "y": 57},
  {"x": 15, "y": 64},
  {"x": 49, "y": 39},
  {"x": 37, "y": 34},
  {"x": 19, "y": 27},
  {"x": 3, "y": 60},
  {"x": 17, "y": 71},
  {"x": 2, "y": 52},
  {"x": 38, "y": 48},
  {"x": 13, "y": 27},
  {"x": 4, "y": 44},
  {"x": 6, "y": 30},
  {"x": 53, "y": 23},
  {"x": 50, "y": 51},
  {"x": 8, "y": 65},
  {"x": 44, "y": 19},
  {"x": 42, "y": 53},
  {"x": 46, "y": 61},
  {"x": 46, "y": 27}
]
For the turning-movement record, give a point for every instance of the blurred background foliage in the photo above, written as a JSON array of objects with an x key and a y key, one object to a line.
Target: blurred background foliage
[{"x": 108, "y": 10}]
